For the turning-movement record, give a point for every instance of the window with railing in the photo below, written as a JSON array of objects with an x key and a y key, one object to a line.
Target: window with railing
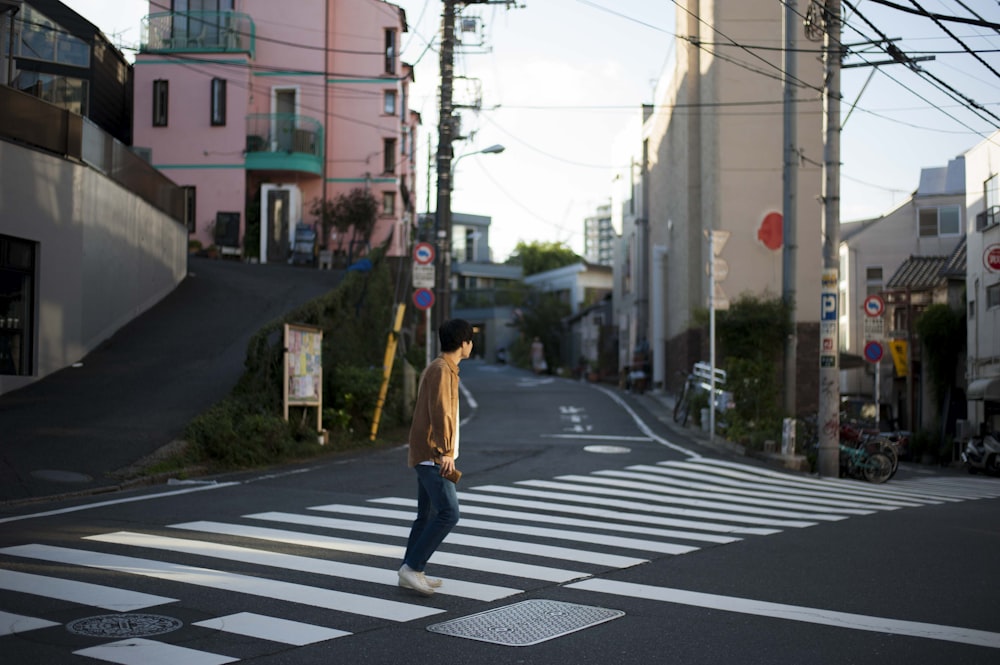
[
  {"x": 987, "y": 218},
  {"x": 44, "y": 39}
]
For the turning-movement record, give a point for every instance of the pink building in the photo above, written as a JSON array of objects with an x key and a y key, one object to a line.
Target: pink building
[{"x": 260, "y": 108}]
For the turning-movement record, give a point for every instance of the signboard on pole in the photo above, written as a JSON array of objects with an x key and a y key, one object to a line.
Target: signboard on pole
[
  {"x": 423, "y": 298},
  {"x": 874, "y": 306},
  {"x": 423, "y": 276},
  {"x": 423, "y": 253},
  {"x": 874, "y": 351}
]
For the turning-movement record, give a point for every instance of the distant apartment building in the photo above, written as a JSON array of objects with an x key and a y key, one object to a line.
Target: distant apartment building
[
  {"x": 259, "y": 109},
  {"x": 711, "y": 161},
  {"x": 599, "y": 237}
]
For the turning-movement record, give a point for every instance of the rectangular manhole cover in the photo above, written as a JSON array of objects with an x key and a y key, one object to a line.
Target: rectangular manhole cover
[{"x": 526, "y": 623}]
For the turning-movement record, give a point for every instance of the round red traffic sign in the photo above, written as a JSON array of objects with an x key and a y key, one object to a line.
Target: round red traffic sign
[
  {"x": 991, "y": 258},
  {"x": 423, "y": 253},
  {"x": 423, "y": 298},
  {"x": 873, "y": 351},
  {"x": 874, "y": 305}
]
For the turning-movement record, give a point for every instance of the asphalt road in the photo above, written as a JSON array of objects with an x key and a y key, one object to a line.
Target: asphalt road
[
  {"x": 72, "y": 430},
  {"x": 575, "y": 497}
]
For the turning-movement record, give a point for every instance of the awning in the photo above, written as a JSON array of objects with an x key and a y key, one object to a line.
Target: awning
[{"x": 984, "y": 389}]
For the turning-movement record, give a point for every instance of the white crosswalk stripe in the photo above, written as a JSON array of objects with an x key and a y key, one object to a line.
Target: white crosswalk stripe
[{"x": 564, "y": 530}]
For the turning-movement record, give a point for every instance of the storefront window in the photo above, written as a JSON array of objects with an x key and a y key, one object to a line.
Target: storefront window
[{"x": 17, "y": 278}]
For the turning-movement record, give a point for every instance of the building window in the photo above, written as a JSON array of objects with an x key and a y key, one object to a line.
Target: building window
[
  {"x": 944, "y": 221},
  {"x": 44, "y": 39},
  {"x": 390, "y": 51},
  {"x": 66, "y": 92},
  {"x": 993, "y": 296},
  {"x": 873, "y": 280},
  {"x": 17, "y": 305},
  {"x": 161, "y": 99},
  {"x": 390, "y": 102},
  {"x": 389, "y": 156},
  {"x": 388, "y": 203},
  {"x": 218, "y": 102}
]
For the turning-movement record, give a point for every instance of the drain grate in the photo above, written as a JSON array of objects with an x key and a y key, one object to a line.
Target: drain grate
[
  {"x": 123, "y": 625},
  {"x": 526, "y": 623}
]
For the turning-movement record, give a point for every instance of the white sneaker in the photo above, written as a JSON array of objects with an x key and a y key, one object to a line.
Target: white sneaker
[
  {"x": 432, "y": 582},
  {"x": 411, "y": 579}
]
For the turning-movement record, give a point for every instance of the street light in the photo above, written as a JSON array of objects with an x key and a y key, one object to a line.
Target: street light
[{"x": 444, "y": 233}]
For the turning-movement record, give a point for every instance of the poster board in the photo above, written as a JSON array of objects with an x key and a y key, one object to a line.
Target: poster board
[{"x": 302, "y": 374}]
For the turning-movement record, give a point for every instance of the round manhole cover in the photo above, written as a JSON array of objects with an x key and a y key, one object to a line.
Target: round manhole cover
[
  {"x": 123, "y": 625},
  {"x": 608, "y": 450}
]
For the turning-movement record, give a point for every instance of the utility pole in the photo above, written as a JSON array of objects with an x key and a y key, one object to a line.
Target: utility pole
[
  {"x": 789, "y": 201},
  {"x": 828, "y": 418},
  {"x": 446, "y": 126}
]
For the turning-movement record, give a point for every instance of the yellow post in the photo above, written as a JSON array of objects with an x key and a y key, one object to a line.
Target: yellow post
[{"x": 390, "y": 356}]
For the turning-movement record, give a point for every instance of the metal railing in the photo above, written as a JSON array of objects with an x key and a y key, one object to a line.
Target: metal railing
[
  {"x": 284, "y": 133},
  {"x": 197, "y": 31}
]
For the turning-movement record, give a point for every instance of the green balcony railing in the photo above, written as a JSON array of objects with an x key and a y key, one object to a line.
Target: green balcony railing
[
  {"x": 284, "y": 142},
  {"x": 198, "y": 32}
]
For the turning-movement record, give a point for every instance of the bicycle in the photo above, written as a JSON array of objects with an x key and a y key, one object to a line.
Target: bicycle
[
  {"x": 682, "y": 407},
  {"x": 860, "y": 462}
]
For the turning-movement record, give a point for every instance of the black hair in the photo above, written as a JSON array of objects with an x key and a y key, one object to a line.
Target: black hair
[{"x": 453, "y": 333}]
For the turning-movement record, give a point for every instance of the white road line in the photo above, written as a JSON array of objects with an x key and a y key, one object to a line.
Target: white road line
[
  {"x": 572, "y": 494},
  {"x": 793, "y": 612},
  {"x": 641, "y": 424},
  {"x": 137, "y": 651},
  {"x": 805, "y": 490},
  {"x": 556, "y": 534},
  {"x": 271, "y": 628},
  {"x": 571, "y": 521},
  {"x": 11, "y": 624},
  {"x": 217, "y": 579},
  {"x": 599, "y": 437},
  {"x": 589, "y": 511},
  {"x": 82, "y": 593},
  {"x": 724, "y": 501},
  {"x": 441, "y": 557},
  {"x": 383, "y": 576},
  {"x": 496, "y": 544},
  {"x": 101, "y": 504}
]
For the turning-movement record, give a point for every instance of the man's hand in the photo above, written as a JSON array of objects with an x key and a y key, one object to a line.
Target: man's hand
[{"x": 447, "y": 465}]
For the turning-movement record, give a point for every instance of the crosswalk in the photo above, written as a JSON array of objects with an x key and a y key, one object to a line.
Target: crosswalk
[{"x": 341, "y": 558}]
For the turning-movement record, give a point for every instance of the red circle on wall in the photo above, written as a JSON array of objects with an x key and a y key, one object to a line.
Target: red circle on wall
[
  {"x": 991, "y": 257},
  {"x": 771, "y": 231}
]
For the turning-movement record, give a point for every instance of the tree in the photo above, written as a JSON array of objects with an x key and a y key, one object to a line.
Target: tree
[
  {"x": 536, "y": 257},
  {"x": 942, "y": 335},
  {"x": 356, "y": 211}
]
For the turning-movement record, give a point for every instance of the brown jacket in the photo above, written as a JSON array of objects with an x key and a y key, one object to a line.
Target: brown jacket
[{"x": 432, "y": 433}]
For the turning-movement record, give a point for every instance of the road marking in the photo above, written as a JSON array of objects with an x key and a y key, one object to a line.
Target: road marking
[
  {"x": 522, "y": 529},
  {"x": 643, "y": 427},
  {"x": 441, "y": 557},
  {"x": 572, "y": 521},
  {"x": 217, "y": 579},
  {"x": 792, "y": 612},
  {"x": 137, "y": 651},
  {"x": 101, "y": 504},
  {"x": 273, "y": 629},
  {"x": 599, "y": 437},
  {"x": 496, "y": 544},
  {"x": 730, "y": 500},
  {"x": 589, "y": 511},
  {"x": 384, "y": 576},
  {"x": 83, "y": 593},
  {"x": 572, "y": 494},
  {"x": 11, "y": 624}
]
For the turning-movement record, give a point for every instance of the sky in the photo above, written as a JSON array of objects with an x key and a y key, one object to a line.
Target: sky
[{"x": 561, "y": 81}]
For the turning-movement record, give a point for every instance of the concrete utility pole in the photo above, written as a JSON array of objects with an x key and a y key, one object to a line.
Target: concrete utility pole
[
  {"x": 828, "y": 418},
  {"x": 446, "y": 126},
  {"x": 789, "y": 201}
]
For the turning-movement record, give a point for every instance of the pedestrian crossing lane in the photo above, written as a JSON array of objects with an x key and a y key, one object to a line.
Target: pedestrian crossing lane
[{"x": 564, "y": 530}]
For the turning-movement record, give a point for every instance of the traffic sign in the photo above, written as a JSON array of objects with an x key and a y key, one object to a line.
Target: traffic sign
[
  {"x": 874, "y": 305},
  {"x": 874, "y": 327},
  {"x": 423, "y": 298},
  {"x": 991, "y": 257},
  {"x": 874, "y": 351},
  {"x": 423, "y": 253},
  {"x": 423, "y": 276}
]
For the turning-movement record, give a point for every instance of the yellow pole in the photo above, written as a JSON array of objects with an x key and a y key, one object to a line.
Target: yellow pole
[{"x": 390, "y": 356}]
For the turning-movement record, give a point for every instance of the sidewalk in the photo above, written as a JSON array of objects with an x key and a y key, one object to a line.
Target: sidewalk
[{"x": 80, "y": 429}]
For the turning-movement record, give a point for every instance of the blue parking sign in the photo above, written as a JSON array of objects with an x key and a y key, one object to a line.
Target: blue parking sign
[{"x": 828, "y": 307}]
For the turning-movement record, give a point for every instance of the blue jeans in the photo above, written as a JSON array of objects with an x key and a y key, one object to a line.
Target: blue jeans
[{"x": 437, "y": 513}]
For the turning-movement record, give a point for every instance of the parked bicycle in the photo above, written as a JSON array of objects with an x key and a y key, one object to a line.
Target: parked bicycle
[
  {"x": 865, "y": 461},
  {"x": 700, "y": 380},
  {"x": 867, "y": 454}
]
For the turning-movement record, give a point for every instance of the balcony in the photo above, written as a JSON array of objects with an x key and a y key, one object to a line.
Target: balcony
[
  {"x": 198, "y": 32},
  {"x": 284, "y": 142}
]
